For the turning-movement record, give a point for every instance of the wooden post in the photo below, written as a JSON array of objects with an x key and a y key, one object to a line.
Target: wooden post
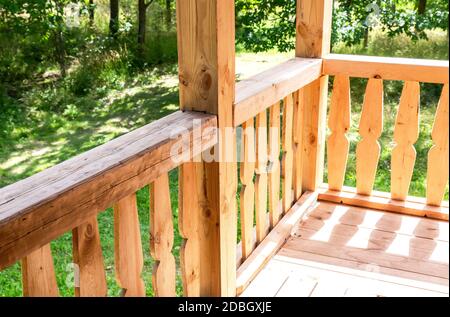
[
  {"x": 313, "y": 41},
  {"x": 206, "y": 56}
]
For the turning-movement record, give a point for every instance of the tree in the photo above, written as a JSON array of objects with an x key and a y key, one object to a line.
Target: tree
[
  {"x": 421, "y": 6},
  {"x": 142, "y": 23},
  {"x": 91, "y": 10},
  {"x": 114, "y": 17},
  {"x": 168, "y": 14},
  {"x": 40, "y": 17},
  {"x": 266, "y": 24}
]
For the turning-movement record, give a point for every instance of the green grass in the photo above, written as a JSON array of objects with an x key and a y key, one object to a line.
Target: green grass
[{"x": 52, "y": 121}]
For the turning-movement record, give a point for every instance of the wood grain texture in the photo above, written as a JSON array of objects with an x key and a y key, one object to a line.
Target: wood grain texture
[
  {"x": 438, "y": 157},
  {"x": 370, "y": 129},
  {"x": 406, "y": 134},
  {"x": 38, "y": 274},
  {"x": 273, "y": 242},
  {"x": 387, "y": 68},
  {"x": 339, "y": 123},
  {"x": 39, "y": 209},
  {"x": 382, "y": 201},
  {"x": 247, "y": 196},
  {"x": 128, "y": 254},
  {"x": 298, "y": 144},
  {"x": 313, "y": 38},
  {"x": 261, "y": 177},
  {"x": 367, "y": 218},
  {"x": 191, "y": 199},
  {"x": 287, "y": 159},
  {"x": 314, "y": 133},
  {"x": 88, "y": 256},
  {"x": 313, "y": 25},
  {"x": 274, "y": 158},
  {"x": 261, "y": 91},
  {"x": 161, "y": 238},
  {"x": 206, "y": 56}
]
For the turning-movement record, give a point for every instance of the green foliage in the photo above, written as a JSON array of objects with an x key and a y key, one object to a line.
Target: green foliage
[{"x": 267, "y": 24}]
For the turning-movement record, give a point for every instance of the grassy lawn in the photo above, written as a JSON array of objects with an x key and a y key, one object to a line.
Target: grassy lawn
[{"x": 49, "y": 124}]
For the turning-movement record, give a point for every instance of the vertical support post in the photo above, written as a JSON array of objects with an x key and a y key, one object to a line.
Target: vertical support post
[
  {"x": 313, "y": 41},
  {"x": 206, "y": 57}
]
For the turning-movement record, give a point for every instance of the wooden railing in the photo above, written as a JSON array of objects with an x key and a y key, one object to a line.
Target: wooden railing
[
  {"x": 283, "y": 116},
  {"x": 68, "y": 197},
  {"x": 263, "y": 176},
  {"x": 406, "y": 131},
  {"x": 270, "y": 108}
]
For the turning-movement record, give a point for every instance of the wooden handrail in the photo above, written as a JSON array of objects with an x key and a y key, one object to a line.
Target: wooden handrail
[
  {"x": 387, "y": 68},
  {"x": 44, "y": 206},
  {"x": 258, "y": 93}
]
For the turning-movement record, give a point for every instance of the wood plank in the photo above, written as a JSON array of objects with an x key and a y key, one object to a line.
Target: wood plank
[
  {"x": 339, "y": 122},
  {"x": 262, "y": 227},
  {"x": 257, "y": 93},
  {"x": 38, "y": 274},
  {"x": 287, "y": 160},
  {"x": 267, "y": 283},
  {"x": 273, "y": 242},
  {"x": 438, "y": 156},
  {"x": 353, "y": 269},
  {"x": 406, "y": 134},
  {"x": 297, "y": 285},
  {"x": 39, "y": 209},
  {"x": 298, "y": 144},
  {"x": 370, "y": 128},
  {"x": 274, "y": 158},
  {"x": 190, "y": 201},
  {"x": 247, "y": 195},
  {"x": 88, "y": 256},
  {"x": 161, "y": 238},
  {"x": 313, "y": 26},
  {"x": 362, "y": 238},
  {"x": 314, "y": 133},
  {"x": 382, "y": 201},
  {"x": 333, "y": 214},
  {"x": 387, "y": 68},
  {"x": 128, "y": 254},
  {"x": 372, "y": 256}
]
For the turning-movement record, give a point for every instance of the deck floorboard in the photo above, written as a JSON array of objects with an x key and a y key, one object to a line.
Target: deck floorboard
[{"x": 339, "y": 251}]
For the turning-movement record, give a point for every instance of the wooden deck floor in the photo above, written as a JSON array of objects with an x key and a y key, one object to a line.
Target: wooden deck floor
[{"x": 339, "y": 250}]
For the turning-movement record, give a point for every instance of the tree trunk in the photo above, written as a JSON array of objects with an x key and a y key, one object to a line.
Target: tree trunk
[
  {"x": 91, "y": 12},
  {"x": 114, "y": 17},
  {"x": 421, "y": 6},
  {"x": 168, "y": 14},
  {"x": 142, "y": 19},
  {"x": 366, "y": 38},
  {"x": 58, "y": 39}
]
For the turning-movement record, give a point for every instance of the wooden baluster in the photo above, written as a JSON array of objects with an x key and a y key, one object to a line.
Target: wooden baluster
[
  {"x": 190, "y": 196},
  {"x": 370, "y": 128},
  {"x": 339, "y": 123},
  {"x": 128, "y": 248},
  {"x": 38, "y": 274},
  {"x": 406, "y": 134},
  {"x": 298, "y": 145},
  {"x": 274, "y": 172},
  {"x": 87, "y": 255},
  {"x": 261, "y": 177},
  {"x": 247, "y": 196},
  {"x": 161, "y": 238},
  {"x": 287, "y": 157},
  {"x": 437, "y": 176}
]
